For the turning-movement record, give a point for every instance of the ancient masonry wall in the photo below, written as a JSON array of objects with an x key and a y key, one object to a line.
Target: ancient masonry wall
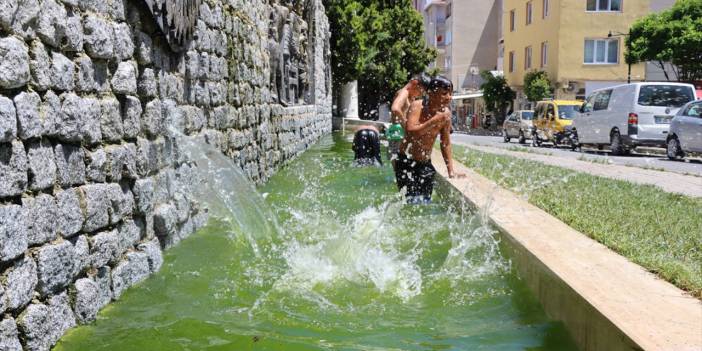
[{"x": 92, "y": 188}]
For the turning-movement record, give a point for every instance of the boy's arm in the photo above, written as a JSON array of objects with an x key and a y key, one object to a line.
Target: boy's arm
[
  {"x": 413, "y": 124},
  {"x": 445, "y": 143},
  {"x": 397, "y": 113}
]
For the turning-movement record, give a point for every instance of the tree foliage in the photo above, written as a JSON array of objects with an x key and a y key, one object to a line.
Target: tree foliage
[
  {"x": 497, "y": 94},
  {"x": 674, "y": 36},
  {"x": 380, "y": 43},
  {"x": 537, "y": 85}
]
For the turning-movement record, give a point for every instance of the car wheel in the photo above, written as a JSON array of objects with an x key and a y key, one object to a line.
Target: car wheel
[
  {"x": 674, "y": 151},
  {"x": 505, "y": 136},
  {"x": 615, "y": 144},
  {"x": 522, "y": 138}
]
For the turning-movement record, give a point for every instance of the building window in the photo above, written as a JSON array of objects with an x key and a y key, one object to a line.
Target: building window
[
  {"x": 604, "y": 5},
  {"x": 449, "y": 38},
  {"x": 511, "y": 61},
  {"x": 512, "y": 17},
  {"x": 528, "y": 12},
  {"x": 602, "y": 51},
  {"x": 544, "y": 54},
  {"x": 546, "y": 8},
  {"x": 448, "y": 10},
  {"x": 527, "y": 57}
]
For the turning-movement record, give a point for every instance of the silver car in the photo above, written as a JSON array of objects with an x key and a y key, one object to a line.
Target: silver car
[
  {"x": 518, "y": 125},
  {"x": 685, "y": 133}
]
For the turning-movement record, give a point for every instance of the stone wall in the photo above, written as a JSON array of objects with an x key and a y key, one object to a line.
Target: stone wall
[{"x": 92, "y": 185}]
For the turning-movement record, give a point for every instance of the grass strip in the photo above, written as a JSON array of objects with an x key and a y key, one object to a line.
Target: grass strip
[{"x": 658, "y": 230}]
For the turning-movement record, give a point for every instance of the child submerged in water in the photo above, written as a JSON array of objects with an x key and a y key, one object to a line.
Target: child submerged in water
[{"x": 414, "y": 170}]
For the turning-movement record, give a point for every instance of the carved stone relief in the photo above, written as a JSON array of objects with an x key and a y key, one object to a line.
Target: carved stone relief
[
  {"x": 289, "y": 54},
  {"x": 176, "y": 19}
]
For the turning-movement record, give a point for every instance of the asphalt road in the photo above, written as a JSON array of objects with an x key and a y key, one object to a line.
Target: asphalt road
[{"x": 637, "y": 159}]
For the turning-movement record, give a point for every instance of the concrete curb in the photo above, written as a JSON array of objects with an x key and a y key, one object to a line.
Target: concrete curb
[{"x": 604, "y": 300}]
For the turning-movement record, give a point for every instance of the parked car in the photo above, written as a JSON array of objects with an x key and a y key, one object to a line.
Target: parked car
[
  {"x": 518, "y": 125},
  {"x": 685, "y": 133},
  {"x": 630, "y": 115},
  {"x": 552, "y": 120}
]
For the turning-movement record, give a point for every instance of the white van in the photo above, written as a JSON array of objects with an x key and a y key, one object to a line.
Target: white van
[{"x": 630, "y": 115}]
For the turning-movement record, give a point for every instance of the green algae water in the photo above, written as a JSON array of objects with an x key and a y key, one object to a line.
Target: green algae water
[{"x": 346, "y": 266}]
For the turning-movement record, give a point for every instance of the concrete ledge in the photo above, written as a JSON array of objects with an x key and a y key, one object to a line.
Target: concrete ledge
[{"x": 605, "y": 301}]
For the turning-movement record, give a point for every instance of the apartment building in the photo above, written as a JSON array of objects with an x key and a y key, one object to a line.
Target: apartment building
[
  {"x": 570, "y": 39},
  {"x": 465, "y": 34}
]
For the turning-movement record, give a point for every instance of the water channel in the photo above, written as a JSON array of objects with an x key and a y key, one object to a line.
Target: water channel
[{"x": 342, "y": 264}]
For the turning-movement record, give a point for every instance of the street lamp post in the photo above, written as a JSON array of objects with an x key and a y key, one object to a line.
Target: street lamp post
[{"x": 619, "y": 34}]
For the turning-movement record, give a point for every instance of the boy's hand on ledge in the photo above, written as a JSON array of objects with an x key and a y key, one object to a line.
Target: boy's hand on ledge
[{"x": 457, "y": 175}]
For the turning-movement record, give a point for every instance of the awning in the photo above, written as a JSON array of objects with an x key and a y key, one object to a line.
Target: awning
[{"x": 467, "y": 96}]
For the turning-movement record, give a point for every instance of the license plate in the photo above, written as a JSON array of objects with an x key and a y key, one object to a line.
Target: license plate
[{"x": 663, "y": 119}]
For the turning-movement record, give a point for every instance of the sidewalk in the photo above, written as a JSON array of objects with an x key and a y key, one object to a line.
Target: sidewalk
[{"x": 668, "y": 181}]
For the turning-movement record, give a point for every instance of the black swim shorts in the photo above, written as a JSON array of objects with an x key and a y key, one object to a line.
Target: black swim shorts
[{"x": 417, "y": 177}]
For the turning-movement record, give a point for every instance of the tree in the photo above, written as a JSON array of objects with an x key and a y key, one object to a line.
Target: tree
[
  {"x": 537, "y": 86},
  {"x": 381, "y": 44},
  {"x": 674, "y": 36},
  {"x": 497, "y": 94}
]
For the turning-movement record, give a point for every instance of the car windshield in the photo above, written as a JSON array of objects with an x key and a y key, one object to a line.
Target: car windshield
[
  {"x": 567, "y": 111},
  {"x": 665, "y": 95},
  {"x": 528, "y": 115}
]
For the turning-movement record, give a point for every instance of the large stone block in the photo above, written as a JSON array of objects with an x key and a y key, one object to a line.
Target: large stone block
[
  {"x": 50, "y": 114},
  {"x": 144, "y": 47},
  {"x": 28, "y": 121},
  {"x": 144, "y": 195},
  {"x": 71, "y": 118},
  {"x": 85, "y": 75},
  {"x": 133, "y": 269},
  {"x": 21, "y": 280},
  {"x": 147, "y": 157},
  {"x": 124, "y": 44},
  {"x": 24, "y": 21},
  {"x": 40, "y": 217},
  {"x": 9, "y": 339},
  {"x": 70, "y": 213},
  {"x": 43, "y": 325},
  {"x": 62, "y": 72},
  {"x": 91, "y": 131},
  {"x": 121, "y": 202},
  {"x": 57, "y": 266},
  {"x": 104, "y": 248},
  {"x": 97, "y": 166},
  {"x": 148, "y": 87},
  {"x": 92, "y": 294},
  {"x": 81, "y": 247},
  {"x": 111, "y": 120},
  {"x": 101, "y": 76},
  {"x": 121, "y": 161},
  {"x": 165, "y": 220},
  {"x": 40, "y": 66},
  {"x": 124, "y": 80},
  {"x": 8, "y": 120},
  {"x": 7, "y": 13},
  {"x": 14, "y": 63},
  {"x": 42, "y": 167},
  {"x": 51, "y": 24},
  {"x": 97, "y": 206},
  {"x": 129, "y": 234},
  {"x": 99, "y": 37},
  {"x": 73, "y": 35},
  {"x": 152, "y": 249},
  {"x": 131, "y": 117},
  {"x": 70, "y": 164},
  {"x": 13, "y": 232}
]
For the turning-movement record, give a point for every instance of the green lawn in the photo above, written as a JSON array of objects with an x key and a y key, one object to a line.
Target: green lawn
[{"x": 658, "y": 230}]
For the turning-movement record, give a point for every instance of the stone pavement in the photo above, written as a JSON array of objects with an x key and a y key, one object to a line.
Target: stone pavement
[{"x": 667, "y": 181}]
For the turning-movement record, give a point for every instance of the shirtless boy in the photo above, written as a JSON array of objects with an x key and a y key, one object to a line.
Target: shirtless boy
[
  {"x": 400, "y": 106},
  {"x": 425, "y": 121}
]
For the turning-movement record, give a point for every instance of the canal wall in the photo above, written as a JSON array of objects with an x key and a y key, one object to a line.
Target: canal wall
[{"x": 93, "y": 185}]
